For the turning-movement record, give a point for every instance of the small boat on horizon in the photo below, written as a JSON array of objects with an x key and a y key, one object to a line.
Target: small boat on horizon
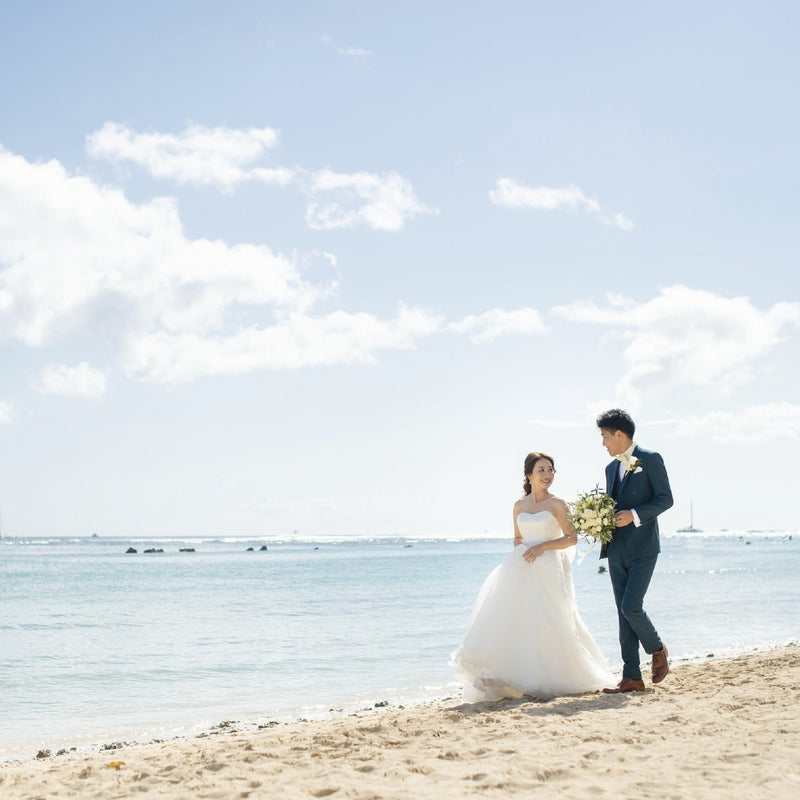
[{"x": 691, "y": 528}]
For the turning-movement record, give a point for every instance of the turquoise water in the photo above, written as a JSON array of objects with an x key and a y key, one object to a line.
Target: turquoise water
[{"x": 97, "y": 645}]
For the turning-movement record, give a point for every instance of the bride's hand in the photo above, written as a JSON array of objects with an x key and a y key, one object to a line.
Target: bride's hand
[{"x": 532, "y": 553}]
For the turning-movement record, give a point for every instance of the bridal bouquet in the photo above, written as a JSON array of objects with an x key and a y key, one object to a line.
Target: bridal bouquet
[{"x": 592, "y": 514}]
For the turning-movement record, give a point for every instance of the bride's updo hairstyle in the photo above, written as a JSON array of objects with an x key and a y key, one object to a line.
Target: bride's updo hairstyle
[{"x": 530, "y": 463}]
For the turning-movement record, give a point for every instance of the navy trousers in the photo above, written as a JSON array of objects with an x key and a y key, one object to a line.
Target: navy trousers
[{"x": 630, "y": 577}]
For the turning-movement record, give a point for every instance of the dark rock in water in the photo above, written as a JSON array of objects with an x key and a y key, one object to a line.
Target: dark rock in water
[
  {"x": 131, "y": 550},
  {"x": 382, "y": 704},
  {"x": 249, "y": 550},
  {"x": 262, "y": 548},
  {"x": 316, "y": 548},
  {"x": 601, "y": 569},
  {"x": 154, "y": 550},
  {"x": 187, "y": 550},
  {"x": 62, "y": 751},
  {"x": 113, "y": 746},
  {"x": 43, "y": 754}
]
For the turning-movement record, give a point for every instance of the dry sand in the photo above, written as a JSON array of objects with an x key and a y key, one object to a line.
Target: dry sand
[{"x": 719, "y": 729}]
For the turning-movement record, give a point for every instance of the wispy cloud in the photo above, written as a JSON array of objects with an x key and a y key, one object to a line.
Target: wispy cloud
[
  {"x": 81, "y": 380},
  {"x": 350, "y": 52},
  {"x": 382, "y": 202},
  {"x": 511, "y": 194},
  {"x": 6, "y": 412},
  {"x": 222, "y": 157},
  {"x": 226, "y": 158},
  {"x": 755, "y": 425},
  {"x": 299, "y": 340},
  {"x": 687, "y": 336},
  {"x": 496, "y": 323}
]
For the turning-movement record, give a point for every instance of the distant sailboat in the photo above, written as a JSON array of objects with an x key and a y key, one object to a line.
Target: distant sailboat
[{"x": 691, "y": 528}]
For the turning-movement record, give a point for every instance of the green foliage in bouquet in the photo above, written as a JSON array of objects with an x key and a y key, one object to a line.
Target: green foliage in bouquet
[{"x": 592, "y": 514}]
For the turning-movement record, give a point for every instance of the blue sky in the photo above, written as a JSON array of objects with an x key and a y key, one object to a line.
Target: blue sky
[{"x": 337, "y": 267}]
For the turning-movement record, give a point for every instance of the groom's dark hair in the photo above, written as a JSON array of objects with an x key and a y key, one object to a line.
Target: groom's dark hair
[{"x": 617, "y": 420}]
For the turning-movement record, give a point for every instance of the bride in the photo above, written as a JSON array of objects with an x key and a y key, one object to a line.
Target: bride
[{"x": 525, "y": 636}]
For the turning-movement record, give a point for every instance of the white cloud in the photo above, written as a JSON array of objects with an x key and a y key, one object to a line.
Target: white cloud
[
  {"x": 755, "y": 425},
  {"x": 382, "y": 202},
  {"x": 297, "y": 341},
  {"x": 688, "y": 336},
  {"x": 354, "y": 52},
  {"x": 510, "y": 194},
  {"x": 203, "y": 156},
  {"x": 495, "y": 323},
  {"x": 80, "y": 261},
  {"x": 81, "y": 380},
  {"x": 6, "y": 412}
]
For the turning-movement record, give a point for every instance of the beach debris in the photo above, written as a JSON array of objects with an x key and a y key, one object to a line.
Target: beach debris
[
  {"x": 43, "y": 754},
  {"x": 112, "y": 746},
  {"x": 115, "y": 765},
  {"x": 131, "y": 550}
]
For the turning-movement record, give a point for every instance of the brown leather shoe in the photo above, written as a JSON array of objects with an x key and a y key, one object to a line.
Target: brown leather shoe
[
  {"x": 660, "y": 666},
  {"x": 626, "y": 685}
]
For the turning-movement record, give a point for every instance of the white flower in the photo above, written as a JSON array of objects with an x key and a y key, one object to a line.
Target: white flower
[{"x": 633, "y": 465}]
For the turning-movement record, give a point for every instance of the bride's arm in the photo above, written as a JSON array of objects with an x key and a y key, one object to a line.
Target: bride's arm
[{"x": 569, "y": 538}]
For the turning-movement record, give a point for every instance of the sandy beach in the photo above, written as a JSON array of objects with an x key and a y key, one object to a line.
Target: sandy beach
[{"x": 712, "y": 728}]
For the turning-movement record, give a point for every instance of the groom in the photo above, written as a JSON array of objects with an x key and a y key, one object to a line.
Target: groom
[{"x": 637, "y": 480}]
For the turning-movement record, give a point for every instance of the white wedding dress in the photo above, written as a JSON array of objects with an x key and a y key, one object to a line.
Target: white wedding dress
[{"x": 525, "y": 636}]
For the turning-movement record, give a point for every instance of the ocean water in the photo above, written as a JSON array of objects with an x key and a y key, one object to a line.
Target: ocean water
[{"x": 98, "y": 646}]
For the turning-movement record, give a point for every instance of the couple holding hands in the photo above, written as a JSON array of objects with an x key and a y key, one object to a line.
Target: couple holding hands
[{"x": 525, "y": 635}]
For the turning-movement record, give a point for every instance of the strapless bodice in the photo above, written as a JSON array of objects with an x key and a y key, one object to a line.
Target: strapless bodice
[{"x": 538, "y": 526}]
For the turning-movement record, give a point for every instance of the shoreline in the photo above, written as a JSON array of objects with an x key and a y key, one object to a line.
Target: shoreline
[
  {"x": 61, "y": 746},
  {"x": 710, "y": 725}
]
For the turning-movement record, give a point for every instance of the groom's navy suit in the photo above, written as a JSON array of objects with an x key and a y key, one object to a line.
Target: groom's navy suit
[{"x": 633, "y": 551}]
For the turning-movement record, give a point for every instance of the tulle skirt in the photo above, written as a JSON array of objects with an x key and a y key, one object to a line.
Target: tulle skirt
[{"x": 525, "y": 635}]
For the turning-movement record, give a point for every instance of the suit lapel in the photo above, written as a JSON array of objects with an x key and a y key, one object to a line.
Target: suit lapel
[{"x": 613, "y": 483}]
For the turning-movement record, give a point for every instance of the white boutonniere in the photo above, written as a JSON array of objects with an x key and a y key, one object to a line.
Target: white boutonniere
[{"x": 633, "y": 465}]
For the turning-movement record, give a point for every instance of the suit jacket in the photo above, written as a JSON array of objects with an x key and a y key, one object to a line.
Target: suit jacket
[{"x": 648, "y": 493}]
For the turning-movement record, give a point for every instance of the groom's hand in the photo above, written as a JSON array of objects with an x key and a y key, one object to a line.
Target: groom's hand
[{"x": 623, "y": 518}]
